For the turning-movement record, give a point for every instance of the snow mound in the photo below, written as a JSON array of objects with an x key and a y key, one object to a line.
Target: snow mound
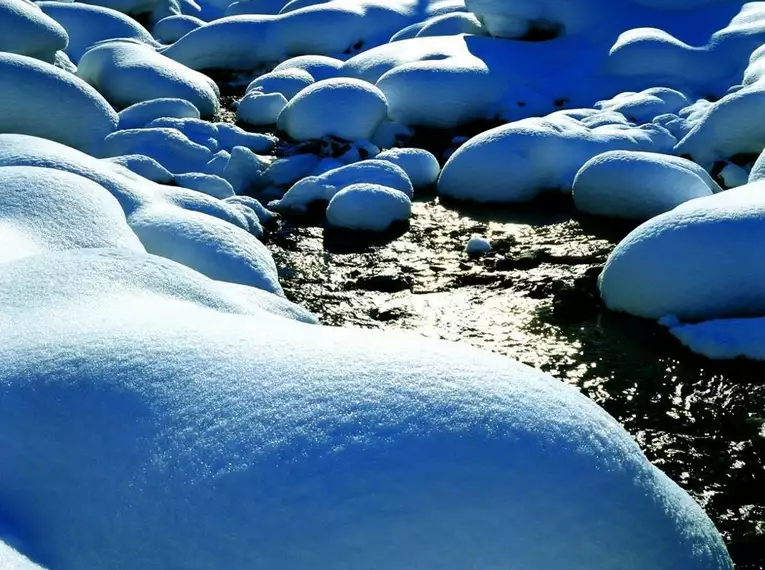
[
  {"x": 141, "y": 114},
  {"x": 368, "y": 207},
  {"x": 26, "y": 30},
  {"x": 698, "y": 261},
  {"x": 172, "y": 28},
  {"x": 87, "y": 25},
  {"x": 126, "y": 73},
  {"x": 261, "y": 7},
  {"x": 643, "y": 107},
  {"x": 323, "y": 187},
  {"x": 209, "y": 184},
  {"x": 168, "y": 146},
  {"x": 451, "y": 25},
  {"x": 42, "y": 209},
  {"x": 320, "y": 67},
  {"x": 251, "y": 440},
  {"x": 196, "y": 130},
  {"x": 477, "y": 245},
  {"x": 724, "y": 339},
  {"x": 420, "y": 166},
  {"x": 288, "y": 82},
  {"x": 345, "y": 108},
  {"x": 74, "y": 113},
  {"x": 144, "y": 166},
  {"x": 638, "y": 185},
  {"x": 257, "y": 108},
  {"x": 518, "y": 161}
]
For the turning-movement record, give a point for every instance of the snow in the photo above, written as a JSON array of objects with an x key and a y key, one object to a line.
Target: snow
[
  {"x": 172, "y": 28},
  {"x": 345, "y": 108},
  {"x": 638, "y": 185},
  {"x": 10, "y": 559},
  {"x": 519, "y": 161},
  {"x": 477, "y": 245},
  {"x": 257, "y": 108},
  {"x": 320, "y": 67},
  {"x": 733, "y": 175},
  {"x": 265, "y": 7},
  {"x": 29, "y": 31},
  {"x": 207, "y": 183},
  {"x": 157, "y": 9},
  {"x": 724, "y": 339},
  {"x": 75, "y": 113},
  {"x": 230, "y": 136},
  {"x": 288, "y": 82},
  {"x": 196, "y": 130},
  {"x": 141, "y": 114},
  {"x": 168, "y": 146},
  {"x": 127, "y": 72},
  {"x": 420, "y": 166},
  {"x": 228, "y": 438},
  {"x": 368, "y": 207},
  {"x": 699, "y": 261},
  {"x": 323, "y": 187},
  {"x": 86, "y": 25},
  {"x": 144, "y": 166}
]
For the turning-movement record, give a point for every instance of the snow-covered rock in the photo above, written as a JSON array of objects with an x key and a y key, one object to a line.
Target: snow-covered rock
[
  {"x": 261, "y": 7},
  {"x": 698, "y": 261},
  {"x": 87, "y": 25},
  {"x": 320, "y": 67},
  {"x": 144, "y": 166},
  {"x": 288, "y": 82},
  {"x": 518, "y": 161},
  {"x": 211, "y": 185},
  {"x": 733, "y": 175},
  {"x": 157, "y": 9},
  {"x": 27, "y": 30},
  {"x": 345, "y": 108},
  {"x": 643, "y": 107},
  {"x": 477, "y": 245},
  {"x": 420, "y": 166},
  {"x": 172, "y": 28},
  {"x": 127, "y": 72},
  {"x": 197, "y": 130},
  {"x": 168, "y": 146},
  {"x": 230, "y": 136},
  {"x": 724, "y": 339},
  {"x": 39, "y": 99},
  {"x": 368, "y": 207},
  {"x": 257, "y": 108},
  {"x": 141, "y": 114},
  {"x": 267, "y": 443},
  {"x": 638, "y": 185},
  {"x": 323, "y": 187}
]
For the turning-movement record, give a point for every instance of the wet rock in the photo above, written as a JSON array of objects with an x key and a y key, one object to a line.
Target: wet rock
[{"x": 384, "y": 283}]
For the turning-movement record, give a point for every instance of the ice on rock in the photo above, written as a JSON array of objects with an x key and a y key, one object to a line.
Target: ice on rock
[
  {"x": 144, "y": 166},
  {"x": 74, "y": 113},
  {"x": 323, "y": 187},
  {"x": 699, "y": 261},
  {"x": 345, "y": 108},
  {"x": 260, "y": 109},
  {"x": 168, "y": 146},
  {"x": 638, "y": 185},
  {"x": 141, "y": 114},
  {"x": 368, "y": 207},
  {"x": 477, "y": 245},
  {"x": 87, "y": 25},
  {"x": 127, "y": 72},
  {"x": 250, "y": 437},
  {"x": 42, "y": 210},
  {"x": 27, "y": 30},
  {"x": 209, "y": 184},
  {"x": 519, "y": 161},
  {"x": 288, "y": 82},
  {"x": 420, "y": 166},
  {"x": 172, "y": 28},
  {"x": 320, "y": 67}
]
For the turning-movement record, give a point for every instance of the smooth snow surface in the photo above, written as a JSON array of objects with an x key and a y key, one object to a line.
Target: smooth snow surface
[
  {"x": 369, "y": 207},
  {"x": 698, "y": 261},
  {"x": 638, "y": 185},
  {"x": 26, "y": 30},
  {"x": 173, "y": 28},
  {"x": 127, "y": 72},
  {"x": 420, "y": 166},
  {"x": 41, "y": 100},
  {"x": 348, "y": 109}
]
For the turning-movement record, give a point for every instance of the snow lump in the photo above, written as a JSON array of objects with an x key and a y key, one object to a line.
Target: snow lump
[{"x": 368, "y": 207}]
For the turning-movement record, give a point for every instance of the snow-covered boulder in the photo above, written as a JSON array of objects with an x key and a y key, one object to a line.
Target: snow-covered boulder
[
  {"x": 323, "y": 187},
  {"x": 638, "y": 185},
  {"x": 257, "y": 108},
  {"x": 368, "y": 207},
  {"x": 267, "y": 443},
  {"x": 260, "y": 7},
  {"x": 288, "y": 82},
  {"x": 644, "y": 106},
  {"x": 345, "y": 108},
  {"x": 724, "y": 339},
  {"x": 128, "y": 72},
  {"x": 320, "y": 67},
  {"x": 87, "y": 25},
  {"x": 39, "y": 99},
  {"x": 518, "y": 161},
  {"x": 141, "y": 114},
  {"x": 230, "y": 136},
  {"x": 169, "y": 147},
  {"x": 699, "y": 261},
  {"x": 197, "y": 130},
  {"x": 420, "y": 166},
  {"x": 27, "y": 30},
  {"x": 42, "y": 209},
  {"x": 732, "y": 175},
  {"x": 144, "y": 166},
  {"x": 172, "y": 28},
  {"x": 211, "y": 185}
]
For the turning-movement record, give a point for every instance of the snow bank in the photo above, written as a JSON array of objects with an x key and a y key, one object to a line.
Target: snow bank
[
  {"x": 345, "y": 108},
  {"x": 698, "y": 261},
  {"x": 141, "y": 114},
  {"x": 127, "y": 73},
  {"x": 323, "y": 187},
  {"x": 420, "y": 166},
  {"x": 86, "y": 25},
  {"x": 28, "y": 31},
  {"x": 368, "y": 207},
  {"x": 518, "y": 161},
  {"x": 41, "y": 100},
  {"x": 230, "y": 440},
  {"x": 638, "y": 185}
]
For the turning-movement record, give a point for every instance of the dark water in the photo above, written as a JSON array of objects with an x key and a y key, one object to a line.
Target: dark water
[{"x": 535, "y": 299}]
